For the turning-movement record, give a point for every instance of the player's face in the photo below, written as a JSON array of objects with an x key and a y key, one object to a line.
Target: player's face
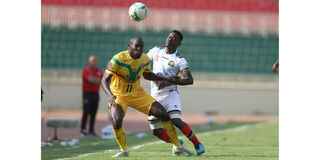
[
  {"x": 173, "y": 40},
  {"x": 136, "y": 48}
]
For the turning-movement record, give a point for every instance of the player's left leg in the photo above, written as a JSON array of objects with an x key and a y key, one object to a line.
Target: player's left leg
[
  {"x": 187, "y": 131},
  {"x": 158, "y": 111},
  {"x": 117, "y": 112},
  {"x": 145, "y": 103},
  {"x": 157, "y": 130},
  {"x": 173, "y": 107}
]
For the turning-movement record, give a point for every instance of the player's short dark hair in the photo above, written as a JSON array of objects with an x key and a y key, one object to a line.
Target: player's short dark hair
[{"x": 178, "y": 33}]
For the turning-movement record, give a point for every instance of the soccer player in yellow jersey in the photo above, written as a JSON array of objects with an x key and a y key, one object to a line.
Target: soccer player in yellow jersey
[{"x": 121, "y": 82}]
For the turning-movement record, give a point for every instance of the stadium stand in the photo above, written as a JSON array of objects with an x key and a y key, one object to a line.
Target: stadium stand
[
  {"x": 221, "y": 36},
  {"x": 219, "y": 5},
  {"x": 64, "y": 48}
]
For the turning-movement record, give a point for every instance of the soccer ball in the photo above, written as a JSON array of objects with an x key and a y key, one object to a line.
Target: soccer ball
[{"x": 138, "y": 11}]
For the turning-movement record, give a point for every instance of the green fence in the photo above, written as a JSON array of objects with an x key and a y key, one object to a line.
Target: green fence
[{"x": 65, "y": 48}]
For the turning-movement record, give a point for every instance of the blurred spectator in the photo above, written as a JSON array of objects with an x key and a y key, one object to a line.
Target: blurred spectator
[
  {"x": 275, "y": 66},
  {"x": 91, "y": 79}
]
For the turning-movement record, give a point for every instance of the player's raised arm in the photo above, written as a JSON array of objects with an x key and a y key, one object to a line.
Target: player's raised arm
[{"x": 106, "y": 80}]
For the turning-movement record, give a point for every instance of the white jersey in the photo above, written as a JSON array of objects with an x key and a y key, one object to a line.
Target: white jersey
[{"x": 165, "y": 65}]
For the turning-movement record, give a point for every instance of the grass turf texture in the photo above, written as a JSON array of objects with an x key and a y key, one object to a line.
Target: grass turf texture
[{"x": 222, "y": 142}]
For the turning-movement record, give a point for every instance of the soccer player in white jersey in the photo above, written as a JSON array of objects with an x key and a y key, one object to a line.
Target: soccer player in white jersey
[{"x": 167, "y": 61}]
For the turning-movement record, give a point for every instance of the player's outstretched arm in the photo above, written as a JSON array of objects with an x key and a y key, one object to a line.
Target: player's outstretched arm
[
  {"x": 106, "y": 80},
  {"x": 153, "y": 77}
]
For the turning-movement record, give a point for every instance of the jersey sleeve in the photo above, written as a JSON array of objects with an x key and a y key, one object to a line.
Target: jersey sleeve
[
  {"x": 183, "y": 66},
  {"x": 112, "y": 66},
  {"x": 151, "y": 53}
]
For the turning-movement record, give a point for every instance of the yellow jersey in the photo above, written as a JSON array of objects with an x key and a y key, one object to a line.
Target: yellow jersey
[{"x": 127, "y": 73}]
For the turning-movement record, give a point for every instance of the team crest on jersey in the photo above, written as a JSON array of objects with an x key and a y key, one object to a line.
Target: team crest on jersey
[{"x": 171, "y": 63}]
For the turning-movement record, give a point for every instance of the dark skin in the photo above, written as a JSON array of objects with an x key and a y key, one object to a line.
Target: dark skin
[
  {"x": 275, "y": 66},
  {"x": 172, "y": 43},
  {"x": 117, "y": 114}
]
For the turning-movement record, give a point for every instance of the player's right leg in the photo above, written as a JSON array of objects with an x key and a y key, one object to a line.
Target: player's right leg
[
  {"x": 117, "y": 115},
  {"x": 158, "y": 111}
]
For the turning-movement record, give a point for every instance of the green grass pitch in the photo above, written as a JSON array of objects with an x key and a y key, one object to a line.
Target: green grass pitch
[{"x": 247, "y": 141}]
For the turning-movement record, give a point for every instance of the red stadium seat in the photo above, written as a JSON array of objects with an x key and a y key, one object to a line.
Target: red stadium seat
[{"x": 223, "y": 5}]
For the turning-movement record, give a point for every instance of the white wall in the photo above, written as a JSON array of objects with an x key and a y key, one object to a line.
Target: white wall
[{"x": 194, "y": 99}]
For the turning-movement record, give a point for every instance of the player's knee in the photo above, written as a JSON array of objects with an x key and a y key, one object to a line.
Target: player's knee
[
  {"x": 157, "y": 132},
  {"x": 116, "y": 125},
  {"x": 158, "y": 111},
  {"x": 117, "y": 122},
  {"x": 164, "y": 116}
]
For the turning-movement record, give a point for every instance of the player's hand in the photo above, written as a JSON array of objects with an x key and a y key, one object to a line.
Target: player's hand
[
  {"x": 112, "y": 99},
  {"x": 174, "y": 79}
]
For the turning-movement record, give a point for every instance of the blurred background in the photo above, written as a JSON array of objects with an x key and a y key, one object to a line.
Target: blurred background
[{"x": 230, "y": 46}]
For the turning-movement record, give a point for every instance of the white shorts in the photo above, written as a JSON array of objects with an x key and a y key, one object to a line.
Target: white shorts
[{"x": 171, "y": 103}]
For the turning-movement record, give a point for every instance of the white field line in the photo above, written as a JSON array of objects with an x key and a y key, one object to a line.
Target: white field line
[
  {"x": 79, "y": 145},
  {"x": 236, "y": 129}
]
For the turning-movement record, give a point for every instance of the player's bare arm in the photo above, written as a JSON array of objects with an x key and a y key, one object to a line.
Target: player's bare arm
[
  {"x": 153, "y": 77},
  {"x": 186, "y": 79},
  {"x": 106, "y": 80}
]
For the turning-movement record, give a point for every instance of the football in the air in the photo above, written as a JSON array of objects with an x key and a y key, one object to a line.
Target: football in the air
[{"x": 138, "y": 11}]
